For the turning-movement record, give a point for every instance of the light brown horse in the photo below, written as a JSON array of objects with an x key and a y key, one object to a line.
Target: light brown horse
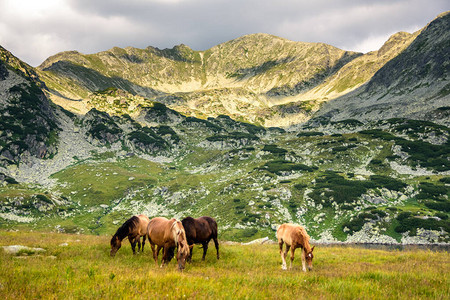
[
  {"x": 133, "y": 228},
  {"x": 168, "y": 234},
  {"x": 295, "y": 236}
]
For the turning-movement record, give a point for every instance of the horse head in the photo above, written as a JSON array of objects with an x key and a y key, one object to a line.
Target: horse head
[
  {"x": 116, "y": 243},
  {"x": 183, "y": 247},
  {"x": 309, "y": 257}
]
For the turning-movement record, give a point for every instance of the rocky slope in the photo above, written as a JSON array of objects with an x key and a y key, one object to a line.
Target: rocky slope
[
  {"x": 258, "y": 78},
  {"x": 122, "y": 153},
  {"x": 414, "y": 84},
  {"x": 28, "y": 126}
]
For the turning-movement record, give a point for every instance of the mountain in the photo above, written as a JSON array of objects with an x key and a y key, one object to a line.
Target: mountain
[
  {"x": 415, "y": 84},
  {"x": 258, "y": 78},
  {"x": 28, "y": 124},
  {"x": 88, "y": 140}
]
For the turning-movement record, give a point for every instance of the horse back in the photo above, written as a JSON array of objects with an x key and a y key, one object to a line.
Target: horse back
[
  {"x": 158, "y": 229},
  {"x": 143, "y": 224},
  {"x": 199, "y": 230},
  {"x": 292, "y": 234}
]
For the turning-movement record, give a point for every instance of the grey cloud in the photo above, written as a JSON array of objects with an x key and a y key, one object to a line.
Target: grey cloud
[{"x": 93, "y": 26}]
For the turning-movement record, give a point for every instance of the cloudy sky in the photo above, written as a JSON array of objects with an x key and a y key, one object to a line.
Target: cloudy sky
[{"x": 36, "y": 29}]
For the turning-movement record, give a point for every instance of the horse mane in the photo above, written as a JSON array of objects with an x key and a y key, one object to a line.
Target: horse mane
[
  {"x": 305, "y": 238},
  {"x": 123, "y": 231},
  {"x": 181, "y": 247}
]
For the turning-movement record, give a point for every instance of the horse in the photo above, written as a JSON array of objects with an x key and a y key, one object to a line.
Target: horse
[
  {"x": 168, "y": 234},
  {"x": 295, "y": 236},
  {"x": 200, "y": 231},
  {"x": 133, "y": 228}
]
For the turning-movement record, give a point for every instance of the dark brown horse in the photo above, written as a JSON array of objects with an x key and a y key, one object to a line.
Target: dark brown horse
[
  {"x": 295, "y": 236},
  {"x": 133, "y": 228},
  {"x": 168, "y": 234},
  {"x": 200, "y": 231}
]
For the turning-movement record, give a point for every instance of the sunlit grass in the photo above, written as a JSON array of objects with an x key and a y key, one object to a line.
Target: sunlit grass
[{"x": 83, "y": 269}]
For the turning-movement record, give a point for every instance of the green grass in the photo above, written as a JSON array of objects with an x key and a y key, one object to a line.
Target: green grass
[{"x": 83, "y": 269}]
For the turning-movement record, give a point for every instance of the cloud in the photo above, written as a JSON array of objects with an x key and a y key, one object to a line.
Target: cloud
[{"x": 34, "y": 30}]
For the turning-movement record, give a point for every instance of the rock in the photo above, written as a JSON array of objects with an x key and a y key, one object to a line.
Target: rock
[
  {"x": 14, "y": 249},
  {"x": 259, "y": 241}
]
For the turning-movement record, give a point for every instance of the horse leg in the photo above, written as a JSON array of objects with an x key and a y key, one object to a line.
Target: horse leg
[
  {"x": 138, "y": 240},
  {"x": 292, "y": 257},
  {"x": 143, "y": 244},
  {"x": 191, "y": 249},
  {"x": 283, "y": 261},
  {"x": 133, "y": 243},
  {"x": 205, "y": 248},
  {"x": 165, "y": 255},
  {"x": 303, "y": 260},
  {"x": 155, "y": 252},
  {"x": 216, "y": 243}
]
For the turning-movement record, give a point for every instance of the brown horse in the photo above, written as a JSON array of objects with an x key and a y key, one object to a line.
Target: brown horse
[
  {"x": 295, "y": 236},
  {"x": 168, "y": 234},
  {"x": 133, "y": 228},
  {"x": 200, "y": 231}
]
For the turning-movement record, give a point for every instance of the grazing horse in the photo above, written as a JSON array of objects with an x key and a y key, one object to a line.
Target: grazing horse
[
  {"x": 133, "y": 228},
  {"x": 295, "y": 236},
  {"x": 200, "y": 231},
  {"x": 168, "y": 234}
]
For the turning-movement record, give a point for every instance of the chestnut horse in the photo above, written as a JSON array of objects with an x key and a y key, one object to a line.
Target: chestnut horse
[
  {"x": 295, "y": 236},
  {"x": 168, "y": 234},
  {"x": 133, "y": 228},
  {"x": 200, "y": 231}
]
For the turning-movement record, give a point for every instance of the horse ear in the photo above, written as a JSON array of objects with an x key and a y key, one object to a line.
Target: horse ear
[{"x": 312, "y": 249}]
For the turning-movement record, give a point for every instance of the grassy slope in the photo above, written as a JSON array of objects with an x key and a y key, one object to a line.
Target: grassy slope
[
  {"x": 83, "y": 269},
  {"x": 234, "y": 186}
]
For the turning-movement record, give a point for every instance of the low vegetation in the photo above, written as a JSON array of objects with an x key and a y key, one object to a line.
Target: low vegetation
[{"x": 79, "y": 266}]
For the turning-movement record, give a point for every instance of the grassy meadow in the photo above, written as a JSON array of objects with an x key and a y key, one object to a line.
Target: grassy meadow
[{"x": 79, "y": 266}]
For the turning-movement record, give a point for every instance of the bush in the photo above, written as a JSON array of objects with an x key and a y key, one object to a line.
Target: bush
[
  {"x": 310, "y": 133},
  {"x": 274, "y": 149},
  {"x": 376, "y": 162},
  {"x": 300, "y": 186},
  {"x": 279, "y": 166},
  {"x": 445, "y": 180},
  {"x": 440, "y": 206},
  {"x": 431, "y": 191},
  {"x": 441, "y": 216},
  {"x": 387, "y": 182},
  {"x": 411, "y": 224}
]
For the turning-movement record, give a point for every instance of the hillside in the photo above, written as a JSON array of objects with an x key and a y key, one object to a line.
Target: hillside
[
  {"x": 414, "y": 84},
  {"x": 166, "y": 133},
  {"x": 245, "y": 78}
]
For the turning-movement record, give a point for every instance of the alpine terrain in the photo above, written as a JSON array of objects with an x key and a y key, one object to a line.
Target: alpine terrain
[{"x": 254, "y": 132}]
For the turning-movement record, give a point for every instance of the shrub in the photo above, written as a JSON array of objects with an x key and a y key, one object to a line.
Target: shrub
[
  {"x": 387, "y": 182},
  {"x": 274, "y": 149},
  {"x": 278, "y": 166},
  {"x": 445, "y": 179},
  {"x": 411, "y": 224},
  {"x": 441, "y": 215},
  {"x": 300, "y": 186},
  {"x": 310, "y": 133},
  {"x": 440, "y": 206},
  {"x": 431, "y": 191}
]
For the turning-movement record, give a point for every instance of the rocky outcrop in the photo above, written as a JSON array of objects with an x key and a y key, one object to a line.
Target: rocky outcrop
[
  {"x": 259, "y": 78},
  {"x": 28, "y": 126},
  {"x": 414, "y": 84}
]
